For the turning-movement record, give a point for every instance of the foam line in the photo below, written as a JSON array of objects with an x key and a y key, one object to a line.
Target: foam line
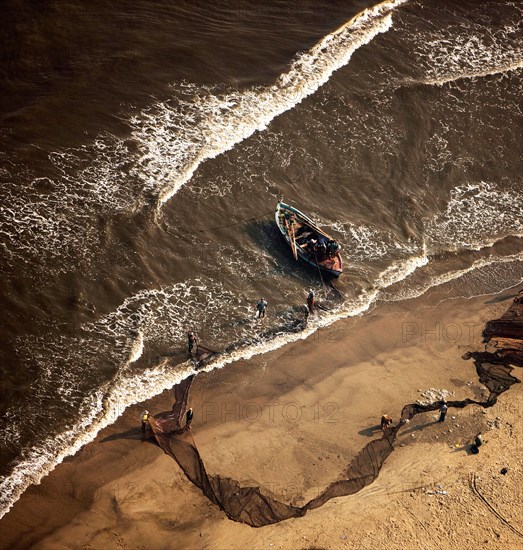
[
  {"x": 230, "y": 119},
  {"x": 419, "y": 290},
  {"x": 476, "y": 209},
  {"x": 468, "y": 74},
  {"x": 105, "y": 405}
]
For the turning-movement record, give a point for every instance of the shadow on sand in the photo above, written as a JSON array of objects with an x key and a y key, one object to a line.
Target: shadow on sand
[
  {"x": 369, "y": 432},
  {"x": 133, "y": 433},
  {"x": 420, "y": 427}
]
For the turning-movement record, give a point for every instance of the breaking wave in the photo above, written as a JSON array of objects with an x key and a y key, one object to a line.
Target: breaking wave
[{"x": 134, "y": 325}]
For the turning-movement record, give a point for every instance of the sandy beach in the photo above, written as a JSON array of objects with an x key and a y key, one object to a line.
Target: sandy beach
[
  {"x": 166, "y": 166},
  {"x": 290, "y": 421}
]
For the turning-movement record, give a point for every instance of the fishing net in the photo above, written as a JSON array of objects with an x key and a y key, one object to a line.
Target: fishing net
[{"x": 251, "y": 505}]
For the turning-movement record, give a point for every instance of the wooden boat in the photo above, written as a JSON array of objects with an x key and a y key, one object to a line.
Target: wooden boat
[{"x": 307, "y": 241}]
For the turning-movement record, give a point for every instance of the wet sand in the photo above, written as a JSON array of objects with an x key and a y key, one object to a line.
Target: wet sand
[{"x": 291, "y": 421}]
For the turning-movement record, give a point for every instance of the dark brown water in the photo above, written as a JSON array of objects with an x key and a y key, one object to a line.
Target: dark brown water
[{"x": 131, "y": 129}]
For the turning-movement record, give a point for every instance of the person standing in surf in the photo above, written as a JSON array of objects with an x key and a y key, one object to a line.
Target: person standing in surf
[
  {"x": 261, "y": 307},
  {"x": 310, "y": 301},
  {"x": 192, "y": 342}
]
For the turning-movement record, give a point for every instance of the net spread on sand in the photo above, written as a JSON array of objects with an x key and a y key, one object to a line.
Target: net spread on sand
[{"x": 253, "y": 506}]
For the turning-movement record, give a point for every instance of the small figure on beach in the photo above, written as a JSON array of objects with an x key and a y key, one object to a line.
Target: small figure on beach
[
  {"x": 261, "y": 307},
  {"x": 188, "y": 419},
  {"x": 443, "y": 411},
  {"x": 192, "y": 342},
  {"x": 386, "y": 422},
  {"x": 478, "y": 441},
  {"x": 310, "y": 301},
  {"x": 145, "y": 419}
]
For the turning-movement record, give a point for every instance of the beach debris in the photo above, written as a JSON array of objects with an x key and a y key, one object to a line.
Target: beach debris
[
  {"x": 438, "y": 491},
  {"x": 433, "y": 394},
  {"x": 503, "y": 471},
  {"x": 494, "y": 424}
]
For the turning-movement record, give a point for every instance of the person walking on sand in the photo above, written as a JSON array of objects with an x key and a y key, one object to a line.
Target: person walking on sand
[
  {"x": 192, "y": 342},
  {"x": 188, "y": 419},
  {"x": 310, "y": 301},
  {"x": 478, "y": 441},
  {"x": 144, "y": 419},
  {"x": 443, "y": 411},
  {"x": 261, "y": 307}
]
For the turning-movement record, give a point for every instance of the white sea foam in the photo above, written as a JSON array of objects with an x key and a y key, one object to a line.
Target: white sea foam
[
  {"x": 105, "y": 405},
  {"x": 476, "y": 72},
  {"x": 402, "y": 269},
  {"x": 172, "y": 142},
  {"x": 135, "y": 323},
  {"x": 367, "y": 243},
  {"x": 420, "y": 288},
  {"x": 477, "y": 215},
  {"x": 467, "y": 48},
  {"x": 170, "y": 158},
  {"x": 137, "y": 348}
]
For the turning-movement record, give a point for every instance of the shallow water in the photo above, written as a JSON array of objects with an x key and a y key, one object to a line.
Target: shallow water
[{"x": 144, "y": 148}]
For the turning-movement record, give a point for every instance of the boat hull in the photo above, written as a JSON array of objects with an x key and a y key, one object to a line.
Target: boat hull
[{"x": 332, "y": 266}]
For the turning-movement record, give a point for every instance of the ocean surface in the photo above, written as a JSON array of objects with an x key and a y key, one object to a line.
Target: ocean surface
[{"x": 145, "y": 144}]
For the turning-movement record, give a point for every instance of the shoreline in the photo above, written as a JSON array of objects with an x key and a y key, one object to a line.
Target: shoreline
[
  {"x": 160, "y": 376},
  {"x": 248, "y": 421}
]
